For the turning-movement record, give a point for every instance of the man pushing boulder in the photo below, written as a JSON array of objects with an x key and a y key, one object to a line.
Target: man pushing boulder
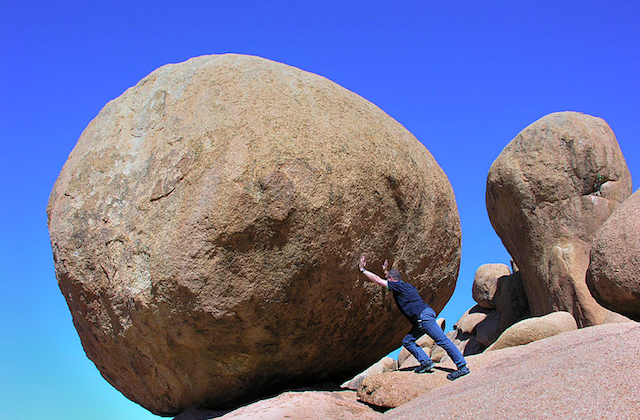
[{"x": 421, "y": 316}]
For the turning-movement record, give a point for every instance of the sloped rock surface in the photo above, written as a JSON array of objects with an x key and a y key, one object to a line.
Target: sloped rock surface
[
  {"x": 614, "y": 269},
  {"x": 548, "y": 193},
  {"x": 582, "y": 374},
  {"x": 206, "y": 229}
]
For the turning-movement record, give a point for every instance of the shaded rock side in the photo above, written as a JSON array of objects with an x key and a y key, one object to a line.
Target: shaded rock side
[
  {"x": 511, "y": 300},
  {"x": 581, "y": 374},
  {"x": 613, "y": 276},
  {"x": 206, "y": 229},
  {"x": 533, "y": 329},
  {"x": 485, "y": 283},
  {"x": 548, "y": 193}
]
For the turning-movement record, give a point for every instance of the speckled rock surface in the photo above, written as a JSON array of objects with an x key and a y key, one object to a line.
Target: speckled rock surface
[
  {"x": 548, "y": 193},
  {"x": 582, "y": 374},
  {"x": 614, "y": 269},
  {"x": 207, "y": 225}
]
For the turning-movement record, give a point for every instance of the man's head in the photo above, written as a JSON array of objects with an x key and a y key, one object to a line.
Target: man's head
[{"x": 394, "y": 275}]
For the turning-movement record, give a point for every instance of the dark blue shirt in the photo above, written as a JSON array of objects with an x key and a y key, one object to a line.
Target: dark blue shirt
[{"x": 407, "y": 299}]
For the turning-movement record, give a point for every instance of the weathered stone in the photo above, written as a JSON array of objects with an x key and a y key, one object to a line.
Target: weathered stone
[
  {"x": 485, "y": 283},
  {"x": 470, "y": 319},
  {"x": 511, "y": 300},
  {"x": 548, "y": 193},
  {"x": 392, "y": 389},
  {"x": 533, "y": 329},
  {"x": 614, "y": 271},
  {"x": 386, "y": 364},
  {"x": 206, "y": 230}
]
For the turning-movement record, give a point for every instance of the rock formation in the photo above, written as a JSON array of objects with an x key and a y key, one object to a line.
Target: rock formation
[
  {"x": 614, "y": 270},
  {"x": 485, "y": 283},
  {"x": 533, "y": 329},
  {"x": 548, "y": 193},
  {"x": 206, "y": 229}
]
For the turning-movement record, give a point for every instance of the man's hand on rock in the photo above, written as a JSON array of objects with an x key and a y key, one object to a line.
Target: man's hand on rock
[{"x": 363, "y": 263}]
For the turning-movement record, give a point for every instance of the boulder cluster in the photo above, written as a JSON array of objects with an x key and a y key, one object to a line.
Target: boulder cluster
[
  {"x": 559, "y": 197},
  {"x": 207, "y": 225}
]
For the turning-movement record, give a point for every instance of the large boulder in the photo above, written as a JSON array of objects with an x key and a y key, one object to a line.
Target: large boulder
[
  {"x": 548, "y": 193},
  {"x": 614, "y": 270},
  {"x": 485, "y": 283},
  {"x": 206, "y": 230},
  {"x": 533, "y": 329}
]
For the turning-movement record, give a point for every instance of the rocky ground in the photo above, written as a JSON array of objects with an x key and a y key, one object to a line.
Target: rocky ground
[{"x": 591, "y": 373}]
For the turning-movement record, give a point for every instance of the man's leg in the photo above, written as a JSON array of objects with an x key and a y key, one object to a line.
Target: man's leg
[
  {"x": 409, "y": 343},
  {"x": 428, "y": 323}
]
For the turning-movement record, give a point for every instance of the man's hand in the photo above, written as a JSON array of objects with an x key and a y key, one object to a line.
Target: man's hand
[
  {"x": 363, "y": 263},
  {"x": 385, "y": 267},
  {"x": 369, "y": 275}
]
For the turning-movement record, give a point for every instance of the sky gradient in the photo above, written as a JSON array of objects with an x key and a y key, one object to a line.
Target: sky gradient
[{"x": 464, "y": 77}]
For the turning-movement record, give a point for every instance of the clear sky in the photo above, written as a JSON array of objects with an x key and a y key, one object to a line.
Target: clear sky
[{"x": 464, "y": 77}]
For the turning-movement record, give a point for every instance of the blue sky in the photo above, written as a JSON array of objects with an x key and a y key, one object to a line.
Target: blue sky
[{"x": 464, "y": 77}]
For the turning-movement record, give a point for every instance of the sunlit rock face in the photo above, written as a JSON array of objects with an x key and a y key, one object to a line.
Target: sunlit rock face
[
  {"x": 548, "y": 193},
  {"x": 207, "y": 226}
]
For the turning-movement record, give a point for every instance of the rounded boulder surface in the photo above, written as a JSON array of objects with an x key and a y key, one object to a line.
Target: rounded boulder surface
[
  {"x": 534, "y": 329},
  {"x": 614, "y": 271},
  {"x": 548, "y": 193},
  {"x": 206, "y": 230},
  {"x": 485, "y": 283}
]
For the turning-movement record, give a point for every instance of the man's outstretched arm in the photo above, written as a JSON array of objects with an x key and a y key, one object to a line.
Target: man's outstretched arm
[{"x": 369, "y": 275}]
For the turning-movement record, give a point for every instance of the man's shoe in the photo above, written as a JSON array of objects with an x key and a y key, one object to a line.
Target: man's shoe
[
  {"x": 425, "y": 367},
  {"x": 464, "y": 370}
]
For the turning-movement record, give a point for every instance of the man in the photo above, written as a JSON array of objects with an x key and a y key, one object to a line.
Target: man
[{"x": 421, "y": 316}]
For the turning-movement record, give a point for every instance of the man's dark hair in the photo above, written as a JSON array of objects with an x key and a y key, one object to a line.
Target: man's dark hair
[{"x": 394, "y": 274}]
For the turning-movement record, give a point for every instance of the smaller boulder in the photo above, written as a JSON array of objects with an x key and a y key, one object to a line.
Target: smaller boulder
[
  {"x": 392, "y": 389},
  {"x": 470, "y": 320},
  {"x": 533, "y": 329},
  {"x": 485, "y": 283},
  {"x": 386, "y": 364}
]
